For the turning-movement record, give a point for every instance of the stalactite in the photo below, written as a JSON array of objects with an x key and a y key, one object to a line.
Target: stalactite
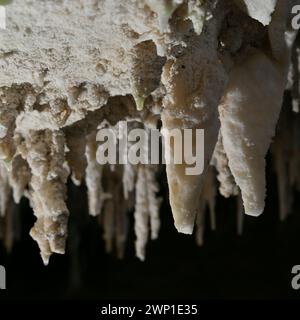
[
  {"x": 108, "y": 222},
  {"x": 146, "y": 209},
  {"x": 194, "y": 81},
  {"x": 93, "y": 178},
  {"x": 76, "y": 145},
  {"x": 114, "y": 218},
  {"x": 19, "y": 177},
  {"x": 227, "y": 186},
  {"x": 5, "y": 191},
  {"x": 246, "y": 136},
  {"x": 207, "y": 201},
  {"x": 45, "y": 153}
]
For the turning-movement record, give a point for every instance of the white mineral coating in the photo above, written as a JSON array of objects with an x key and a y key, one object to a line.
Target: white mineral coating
[
  {"x": 250, "y": 110},
  {"x": 259, "y": 10},
  {"x": 249, "y": 114},
  {"x": 191, "y": 101},
  {"x": 226, "y": 180},
  {"x": 164, "y": 10},
  {"x": 73, "y": 54},
  {"x": 68, "y": 66}
]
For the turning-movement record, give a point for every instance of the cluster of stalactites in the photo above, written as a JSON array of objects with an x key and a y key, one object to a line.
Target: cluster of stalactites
[
  {"x": 40, "y": 168},
  {"x": 223, "y": 77}
]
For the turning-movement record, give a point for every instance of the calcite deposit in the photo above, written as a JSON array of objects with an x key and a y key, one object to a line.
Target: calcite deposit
[{"x": 69, "y": 68}]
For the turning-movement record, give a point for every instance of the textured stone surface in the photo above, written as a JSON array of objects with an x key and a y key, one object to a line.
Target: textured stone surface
[{"x": 70, "y": 67}]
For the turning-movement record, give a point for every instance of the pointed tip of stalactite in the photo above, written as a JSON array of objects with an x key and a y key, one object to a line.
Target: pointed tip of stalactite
[
  {"x": 282, "y": 217},
  {"x": 183, "y": 209},
  {"x": 254, "y": 212},
  {"x": 200, "y": 242},
  {"x": 185, "y": 228},
  {"x": 140, "y": 102},
  {"x": 77, "y": 182},
  {"x": 154, "y": 236},
  {"x": 184, "y": 220},
  {"x": 93, "y": 213},
  {"x": 45, "y": 258},
  {"x": 120, "y": 254},
  {"x": 141, "y": 258}
]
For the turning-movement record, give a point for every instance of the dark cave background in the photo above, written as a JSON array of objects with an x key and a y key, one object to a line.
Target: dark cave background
[{"x": 256, "y": 265}]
